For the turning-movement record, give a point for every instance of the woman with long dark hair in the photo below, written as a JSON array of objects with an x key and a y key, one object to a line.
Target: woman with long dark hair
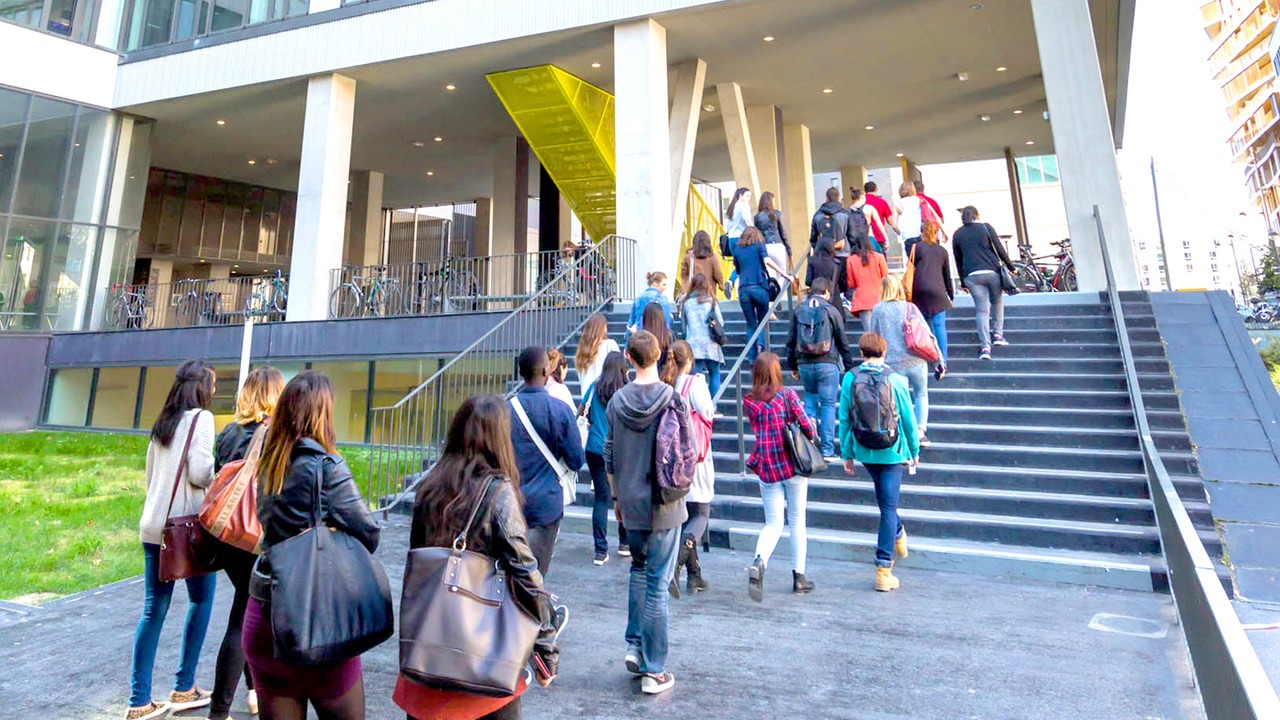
[
  {"x": 770, "y": 407},
  {"x": 678, "y": 373},
  {"x": 181, "y": 438},
  {"x": 700, "y": 259},
  {"x": 752, "y": 263},
  {"x": 699, "y": 310},
  {"x": 655, "y": 321},
  {"x": 593, "y": 347},
  {"x": 299, "y": 453},
  {"x": 254, "y": 405},
  {"x": 478, "y": 465},
  {"x": 931, "y": 288},
  {"x": 737, "y": 218},
  {"x": 769, "y": 222},
  {"x": 613, "y": 376}
]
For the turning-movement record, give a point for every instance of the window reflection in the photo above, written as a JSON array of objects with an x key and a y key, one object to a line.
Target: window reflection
[{"x": 44, "y": 158}]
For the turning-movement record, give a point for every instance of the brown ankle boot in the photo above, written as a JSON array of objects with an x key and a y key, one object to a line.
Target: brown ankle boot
[{"x": 885, "y": 581}]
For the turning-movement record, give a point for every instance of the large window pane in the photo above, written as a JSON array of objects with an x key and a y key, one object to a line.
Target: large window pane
[
  {"x": 153, "y": 25},
  {"x": 229, "y": 14},
  {"x": 224, "y": 398},
  {"x": 22, "y": 12},
  {"x": 154, "y": 391},
  {"x": 1051, "y": 169},
  {"x": 68, "y": 301},
  {"x": 350, "y": 397},
  {"x": 44, "y": 159},
  {"x": 25, "y": 271},
  {"x": 115, "y": 398},
  {"x": 91, "y": 152},
  {"x": 69, "y": 396},
  {"x": 13, "y": 118}
]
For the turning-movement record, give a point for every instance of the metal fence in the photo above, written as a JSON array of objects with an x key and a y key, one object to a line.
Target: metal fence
[
  {"x": 405, "y": 438},
  {"x": 195, "y": 302},
  {"x": 1232, "y": 682}
]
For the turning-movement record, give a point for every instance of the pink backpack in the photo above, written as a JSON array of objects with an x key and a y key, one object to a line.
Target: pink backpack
[
  {"x": 920, "y": 339},
  {"x": 700, "y": 426}
]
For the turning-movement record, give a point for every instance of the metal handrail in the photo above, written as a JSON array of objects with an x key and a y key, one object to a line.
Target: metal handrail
[
  {"x": 406, "y": 434},
  {"x": 736, "y": 371},
  {"x": 1232, "y": 682}
]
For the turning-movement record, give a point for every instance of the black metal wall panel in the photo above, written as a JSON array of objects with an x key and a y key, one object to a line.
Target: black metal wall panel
[{"x": 22, "y": 380}]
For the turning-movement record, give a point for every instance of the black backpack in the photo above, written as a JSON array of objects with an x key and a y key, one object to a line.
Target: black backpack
[
  {"x": 828, "y": 229},
  {"x": 875, "y": 414},
  {"x": 859, "y": 226},
  {"x": 814, "y": 336}
]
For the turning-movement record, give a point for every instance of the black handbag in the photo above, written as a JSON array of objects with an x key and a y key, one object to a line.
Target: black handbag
[
  {"x": 460, "y": 629},
  {"x": 726, "y": 251},
  {"x": 775, "y": 289},
  {"x": 1008, "y": 282},
  {"x": 718, "y": 335},
  {"x": 805, "y": 456},
  {"x": 330, "y": 600}
]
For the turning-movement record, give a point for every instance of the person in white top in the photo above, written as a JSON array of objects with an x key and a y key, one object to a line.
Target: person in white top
[
  {"x": 693, "y": 388},
  {"x": 557, "y": 366},
  {"x": 738, "y": 218},
  {"x": 593, "y": 347},
  {"x": 910, "y": 217},
  {"x": 179, "y": 468}
]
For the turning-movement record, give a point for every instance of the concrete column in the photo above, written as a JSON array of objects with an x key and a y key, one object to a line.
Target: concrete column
[
  {"x": 322, "y": 194},
  {"x": 800, "y": 200},
  {"x": 510, "y": 200},
  {"x": 765, "y": 123},
  {"x": 1083, "y": 139},
  {"x": 220, "y": 271},
  {"x": 566, "y": 223},
  {"x": 484, "y": 227},
  {"x": 738, "y": 136},
  {"x": 161, "y": 272},
  {"x": 642, "y": 139},
  {"x": 686, "y": 110},
  {"x": 851, "y": 176},
  {"x": 364, "y": 246},
  {"x": 909, "y": 172},
  {"x": 1015, "y": 194}
]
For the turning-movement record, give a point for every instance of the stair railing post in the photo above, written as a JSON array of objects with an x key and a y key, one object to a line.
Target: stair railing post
[{"x": 742, "y": 440}]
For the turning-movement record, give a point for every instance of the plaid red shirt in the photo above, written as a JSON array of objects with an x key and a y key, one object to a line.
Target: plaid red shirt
[{"x": 769, "y": 459}]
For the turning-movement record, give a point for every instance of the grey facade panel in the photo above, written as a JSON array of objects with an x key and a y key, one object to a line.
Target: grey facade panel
[{"x": 22, "y": 382}]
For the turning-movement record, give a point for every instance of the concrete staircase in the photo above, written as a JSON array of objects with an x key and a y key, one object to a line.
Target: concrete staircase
[{"x": 1034, "y": 470}]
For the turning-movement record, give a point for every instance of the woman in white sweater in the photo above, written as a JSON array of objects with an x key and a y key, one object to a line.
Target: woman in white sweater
[
  {"x": 678, "y": 373},
  {"x": 185, "y": 415}
]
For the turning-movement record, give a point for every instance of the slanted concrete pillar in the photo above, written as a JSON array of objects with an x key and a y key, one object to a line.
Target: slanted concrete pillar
[
  {"x": 765, "y": 122},
  {"x": 738, "y": 135},
  {"x": 322, "y": 194},
  {"x": 1083, "y": 139},
  {"x": 642, "y": 139},
  {"x": 800, "y": 204},
  {"x": 686, "y": 110},
  {"x": 364, "y": 245}
]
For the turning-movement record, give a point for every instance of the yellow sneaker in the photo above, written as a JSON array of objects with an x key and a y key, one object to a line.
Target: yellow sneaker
[{"x": 885, "y": 581}]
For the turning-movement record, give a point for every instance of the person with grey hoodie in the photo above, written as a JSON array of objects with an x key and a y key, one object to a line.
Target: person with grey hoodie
[{"x": 653, "y": 527}]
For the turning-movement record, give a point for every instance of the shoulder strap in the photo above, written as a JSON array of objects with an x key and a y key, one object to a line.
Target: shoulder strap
[
  {"x": 687, "y": 386},
  {"x": 533, "y": 433},
  {"x": 460, "y": 542},
  {"x": 182, "y": 463},
  {"x": 586, "y": 401}
]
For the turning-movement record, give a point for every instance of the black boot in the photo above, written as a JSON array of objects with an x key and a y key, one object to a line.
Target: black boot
[
  {"x": 755, "y": 580},
  {"x": 799, "y": 585},
  {"x": 695, "y": 583},
  {"x": 681, "y": 560}
]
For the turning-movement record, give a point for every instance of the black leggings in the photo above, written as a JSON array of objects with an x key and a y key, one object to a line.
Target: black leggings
[
  {"x": 510, "y": 711},
  {"x": 347, "y": 707},
  {"x": 231, "y": 664},
  {"x": 699, "y": 518}
]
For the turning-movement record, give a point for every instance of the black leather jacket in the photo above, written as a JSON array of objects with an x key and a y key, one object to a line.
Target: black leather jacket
[
  {"x": 233, "y": 443},
  {"x": 500, "y": 532},
  {"x": 288, "y": 513}
]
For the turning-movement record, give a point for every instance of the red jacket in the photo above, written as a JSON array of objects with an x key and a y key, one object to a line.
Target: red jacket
[{"x": 864, "y": 280}]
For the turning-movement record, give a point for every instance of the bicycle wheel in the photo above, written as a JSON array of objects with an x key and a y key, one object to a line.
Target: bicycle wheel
[
  {"x": 434, "y": 296},
  {"x": 555, "y": 290},
  {"x": 211, "y": 313},
  {"x": 384, "y": 301},
  {"x": 469, "y": 292},
  {"x": 1027, "y": 277},
  {"x": 280, "y": 301},
  {"x": 116, "y": 313},
  {"x": 1067, "y": 280},
  {"x": 345, "y": 302},
  {"x": 189, "y": 310},
  {"x": 255, "y": 304}
]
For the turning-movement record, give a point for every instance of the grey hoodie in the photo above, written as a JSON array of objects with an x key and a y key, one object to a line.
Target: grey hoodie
[{"x": 628, "y": 457}]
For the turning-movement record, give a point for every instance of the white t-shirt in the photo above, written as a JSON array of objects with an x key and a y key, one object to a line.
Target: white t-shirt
[
  {"x": 592, "y": 372},
  {"x": 741, "y": 219},
  {"x": 910, "y": 219},
  {"x": 560, "y": 391}
]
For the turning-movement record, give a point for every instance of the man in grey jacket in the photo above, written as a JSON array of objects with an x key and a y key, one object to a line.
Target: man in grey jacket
[{"x": 653, "y": 527}]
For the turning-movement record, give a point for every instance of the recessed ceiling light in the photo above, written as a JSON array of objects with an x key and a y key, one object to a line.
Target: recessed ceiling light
[
  {"x": 976, "y": 6},
  {"x": 827, "y": 91},
  {"x": 235, "y": 266},
  {"x": 220, "y": 122},
  {"x": 869, "y": 127},
  {"x": 418, "y": 143},
  {"x": 431, "y": 173},
  {"x": 1001, "y": 68},
  {"x": 1017, "y": 112},
  {"x": 769, "y": 38},
  {"x": 203, "y": 260},
  {"x": 272, "y": 161},
  {"x": 901, "y": 155},
  {"x": 709, "y": 107},
  {"x": 984, "y": 118},
  {"x": 253, "y": 162},
  {"x": 962, "y": 76},
  {"x": 1031, "y": 142},
  {"x": 595, "y": 65},
  {"x": 439, "y": 139},
  {"x": 450, "y": 86}
]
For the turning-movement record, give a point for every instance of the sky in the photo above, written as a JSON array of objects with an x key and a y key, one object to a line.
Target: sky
[{"x": 1176, "y": 114}]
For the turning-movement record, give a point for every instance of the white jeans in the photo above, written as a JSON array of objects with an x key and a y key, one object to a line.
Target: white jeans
[{"x": 795, "y": 494}]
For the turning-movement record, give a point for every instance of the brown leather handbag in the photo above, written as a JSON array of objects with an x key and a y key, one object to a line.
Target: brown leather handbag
[
  {"x": 460, "y": 629},
  {"x": 186, "y": 548},
  {"x": 230, "y": 508}
]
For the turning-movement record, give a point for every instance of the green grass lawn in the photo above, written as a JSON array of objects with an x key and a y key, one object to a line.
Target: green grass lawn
[{"x": 69, "y": 508}]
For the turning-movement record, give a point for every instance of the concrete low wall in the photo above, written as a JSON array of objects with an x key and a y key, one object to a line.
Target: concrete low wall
[{"x": 22, "y": 380}]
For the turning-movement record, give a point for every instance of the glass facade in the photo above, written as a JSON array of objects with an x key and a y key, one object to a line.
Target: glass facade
[
  {"x": 69, "y": 18},
  {"x": 149, "y": 23},
  {"x": 1038, "y": 170},
  {"x": 55, "y": 172}
]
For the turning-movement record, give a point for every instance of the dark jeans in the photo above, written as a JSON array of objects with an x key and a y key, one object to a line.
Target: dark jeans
[
  {"x": 888, "y": 481},
  {"x": 699, "y": 519},
  {"x": 710, "y": 369},
  {"x": 542, "y": 541},
  {"x": 603, "y": 505},
  {"x": 908, "y": 244},
  {"x": 821, "y": 395},
  {"x": 938, "y": 323},
  {"x": 155, "y": 605},
  {"x": 238, "y": 565},
  {"x": 754, "y": 300}
]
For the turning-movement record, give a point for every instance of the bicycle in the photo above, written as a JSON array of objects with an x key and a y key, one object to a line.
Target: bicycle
[
  {"x": 130, "y": 308},
  {"x": 367, "y": 295},
  {"x": 446, "y": 290},
  {"x": 593, "y": 282},
  {"x": 195, "y": 304},
  {"x": 268, "y": 299},
  {"x": 1033, "y": 274}
]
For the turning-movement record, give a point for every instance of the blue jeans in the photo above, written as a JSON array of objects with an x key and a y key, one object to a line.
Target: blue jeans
[
  {"x": 710, "y": 369},
  {"x": 754, "y": 300},
  {"x": 938, "y": 324},
  {"x": 155, "y": 606},
  {"x": 793, "y": 497},
  {"x": 821, "y": 394},
  {"x": 603, "y": 505},
  {"x": 733, "y": 245},
  {"x": 888, "y": 481},
  {"x": 653, "y": 563},
  {"x": 918, "y": 382}
]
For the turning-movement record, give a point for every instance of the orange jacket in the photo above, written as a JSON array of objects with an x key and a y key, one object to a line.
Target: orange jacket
[{"x": 864, "y": 280}]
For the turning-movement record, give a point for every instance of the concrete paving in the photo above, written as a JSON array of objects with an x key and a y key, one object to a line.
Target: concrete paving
[{"x": 947, "y": 645}]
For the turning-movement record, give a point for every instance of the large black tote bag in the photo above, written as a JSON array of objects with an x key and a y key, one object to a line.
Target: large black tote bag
[
  {"x": 330, "y": 600},
  {"x": 460, "y": 629}
]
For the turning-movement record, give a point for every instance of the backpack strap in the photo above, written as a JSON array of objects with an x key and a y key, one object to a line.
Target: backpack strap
[{"x": 551, "y": 459}]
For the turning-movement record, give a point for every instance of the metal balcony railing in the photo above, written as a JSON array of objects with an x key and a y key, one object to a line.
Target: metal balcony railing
[{"x": 195, "y": 302}]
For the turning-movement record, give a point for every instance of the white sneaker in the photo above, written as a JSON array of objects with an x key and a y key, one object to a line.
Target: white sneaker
[
  {"x": 600, "y": 559},
  {"x": 253, "y": 702},
  {"x": 624, "y": 550},
  {"x": 652, "y": 684},
  {"x": 633, "y": 660}
]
